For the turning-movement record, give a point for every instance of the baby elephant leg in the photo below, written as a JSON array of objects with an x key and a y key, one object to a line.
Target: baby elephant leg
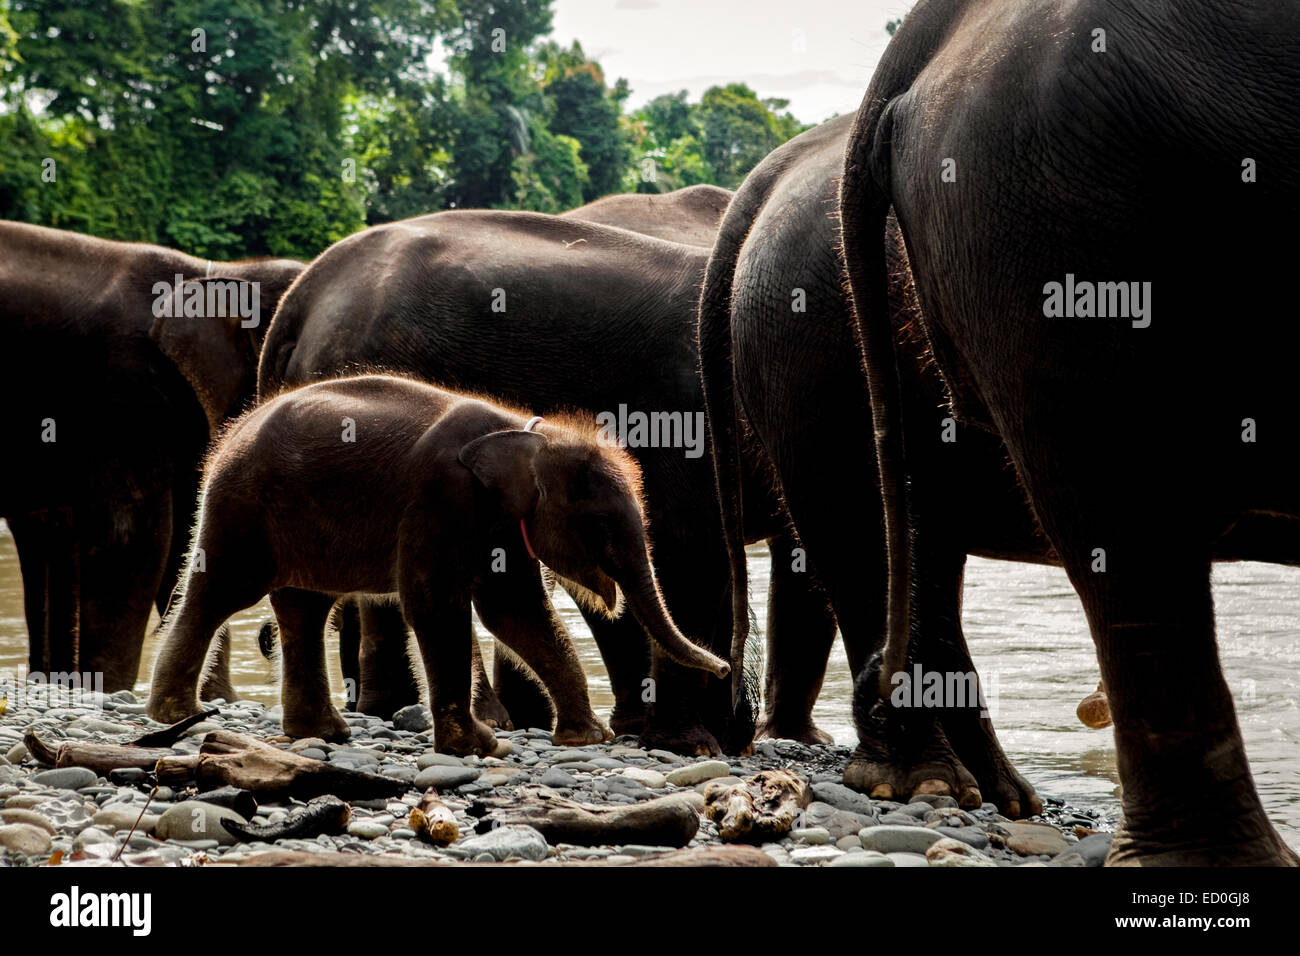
[
  {"x": 445, "y": 634},
  {"x": 305, "y": 688},
  {"x": 518, "y": 612}
]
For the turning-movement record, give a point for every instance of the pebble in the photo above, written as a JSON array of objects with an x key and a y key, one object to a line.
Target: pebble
[
  {"x": 434, "y": 759},
  {"x": 815, "y": 854},
  {"x": 415, "y": 718},
  {"x": 17, "y": 753},
  {"x": 444, "y": 777},
  {"x": 861, "y": 859},
  {"x": 1035, "y": 839},
  {"x": 811, "y": 835},
  {"x": 66, "y": 778},
  {"x": 895, "y": 839},
  {"x": 694, "y": 773},
  {"x": 513, "y": 839},
  {"x": 842, "y": 798},
  {"x": 20, "y": 815},
  {"x": 954, "y": 853},
  {"x": 1090, "y": 851},
  {"x": 973, "y": 836},
  {"x": 652, "y": 779},
  {"x": 196, "y": 820},
  {"x": 369, "y": 829},
  {"x": 25, "y": 838},
  {"x": 908, "y": 859},
  {"x": 557, "y": 778}
]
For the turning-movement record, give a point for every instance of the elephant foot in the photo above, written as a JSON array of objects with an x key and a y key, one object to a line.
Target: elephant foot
[
  {"x": 626, "y": 719},
  {"x": 328, "y": 725},
  {"x": 171, "y": 708},
  {"x": 577, "y": 735},
  {"x": 692, "y": 741},
  {"x": 888, "y": 772},
  {"x": 217, "y": 687},
  {"x": 772, "y": 728},
  {"x": 1208, "y": 844},
  {"x": 454, "y": 737},
  {"x": 492, "y": 712}
]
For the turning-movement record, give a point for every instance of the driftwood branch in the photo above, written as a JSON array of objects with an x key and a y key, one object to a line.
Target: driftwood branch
[
  {"x": 712, "y": 856},
  {"x": 229, "y": 759},
  {"x": 100, "y": 758},
  {"x": 666, "y": 821},
  {"x": 169, "y": 735}
]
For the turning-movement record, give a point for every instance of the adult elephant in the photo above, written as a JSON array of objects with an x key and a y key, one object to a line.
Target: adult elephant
[
  {"x": 689, "y": 215},
  {"x": 1066, "y": 227},
  {"x": 780, "y": 357},
  {"x": 113, "y": 389},
  {"x": 551, "y": 314}
]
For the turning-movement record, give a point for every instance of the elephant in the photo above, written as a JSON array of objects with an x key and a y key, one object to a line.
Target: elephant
[
  {"x": 794, "y": 378},
  {"x": 589, "y": 317},
  {"x": 689, "y": 215},
  {"x": 112, "y": 393},
  {"x": 1072, "y": 185},
  {"x": 446, "y": 499}
]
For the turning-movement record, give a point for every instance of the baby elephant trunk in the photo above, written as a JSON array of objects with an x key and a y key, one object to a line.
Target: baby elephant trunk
[{"x": 642, "y": 595}]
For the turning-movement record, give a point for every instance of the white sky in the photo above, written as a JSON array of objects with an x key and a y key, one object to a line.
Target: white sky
[{"x": 662, "y": 46}]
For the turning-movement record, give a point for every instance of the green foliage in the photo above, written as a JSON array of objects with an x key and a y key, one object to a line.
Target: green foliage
[{"x": 234, "y": 128}]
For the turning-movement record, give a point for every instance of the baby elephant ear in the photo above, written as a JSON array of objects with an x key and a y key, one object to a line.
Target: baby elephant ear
[{"x": 503, "y": 461}]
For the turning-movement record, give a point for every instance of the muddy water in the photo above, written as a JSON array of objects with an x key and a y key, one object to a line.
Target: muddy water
[{"x": 1030, "y": 644}]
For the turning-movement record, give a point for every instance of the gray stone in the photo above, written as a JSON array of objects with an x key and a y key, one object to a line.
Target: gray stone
[
  {"x": 571, "y": 756},
  {"x": 1090, "y": 851},
  {"x": 17, "y": 753},
  {"x": 196, "y": 820},
  {"x": 898, "y": 839},
  {"x": 815, "y": 854},
  {"x": 900, "y": 819},
  {"x": 973, "y": 836},
  {"x": 842, "y": 798},
  {"x": 65, "y": 778},
  {"x": 368, "y": 829},
  {"x": 434, "y": 759},
  {"x": 555, "y": 777},
  {"x": 445, "y": 778},
  {"x": 811, "y": 835},
  {"x": 414, "y": 718},
  {"x": 506, "y": 841},
  {"x": 954, "y": 853}
]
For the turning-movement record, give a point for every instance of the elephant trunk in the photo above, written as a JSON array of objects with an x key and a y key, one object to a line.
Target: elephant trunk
[{"x": 642, "y": 595}]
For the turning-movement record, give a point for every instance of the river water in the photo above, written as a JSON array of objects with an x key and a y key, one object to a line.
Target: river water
[{"x": 1030, "y": 643}]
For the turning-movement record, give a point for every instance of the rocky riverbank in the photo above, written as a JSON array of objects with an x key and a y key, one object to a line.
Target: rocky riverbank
[{"x": 73, "y": 816}]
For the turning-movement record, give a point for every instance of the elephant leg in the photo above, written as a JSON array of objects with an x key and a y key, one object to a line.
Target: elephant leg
[
  {"x": 513, "y": 689},
  {"x": 800, "y": 632},
  {"x": 444, "y": 629},
  {"x": 347, "y": 623},
  {"x": 305, "y": 686},
  {"x": 36, "y": 543},
  {"x": 209, "y": 599},
  {"x": 945, "y": 744},
  {"x": 626, "y": 652},
  {"x": 681, "y": 701},
  {"x": 215, "y": 683},
  {"x": 486, "y": 704},
  {"x": 1188, "y": 795},
  {"x": 48, "y": 558},
  {"x": 123, "y": 556},
  {"x": 387, "y": 680},
  {"x": 516, "y": 609}
]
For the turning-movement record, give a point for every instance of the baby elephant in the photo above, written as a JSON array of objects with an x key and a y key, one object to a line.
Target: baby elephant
[{"x": 379, "y": 484}]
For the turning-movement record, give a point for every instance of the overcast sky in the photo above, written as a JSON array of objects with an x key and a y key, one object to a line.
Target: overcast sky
[{"x": 818, "y": 54}]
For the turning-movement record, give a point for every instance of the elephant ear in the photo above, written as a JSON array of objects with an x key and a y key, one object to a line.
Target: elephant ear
[
  {"x": 503, "y": 461},
  {"x": 216, "y": 355}
]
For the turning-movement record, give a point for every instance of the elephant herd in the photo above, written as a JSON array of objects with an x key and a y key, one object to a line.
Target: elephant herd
[{"x": 1029, "y": 303}]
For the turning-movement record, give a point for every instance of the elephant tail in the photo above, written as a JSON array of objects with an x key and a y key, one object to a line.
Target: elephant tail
[
  {"x": 865, "y": 192},
  {"x": 717, "y": 375}
]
